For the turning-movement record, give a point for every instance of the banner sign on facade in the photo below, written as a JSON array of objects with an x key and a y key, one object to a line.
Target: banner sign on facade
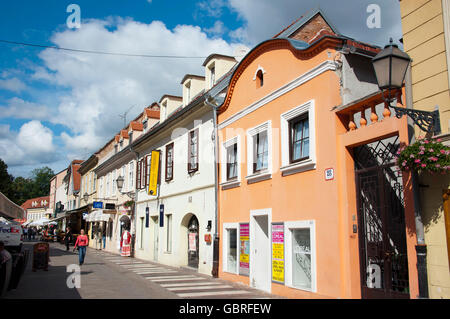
[
  {"x": 278, "y": 252},
  {"x": 161, "y": 215},
  {"x": 97, "y": 205},
  {"x": 154, "y": 174},
  {"x": 192, "y": 242},
  {"x": 244, "y": 244}
]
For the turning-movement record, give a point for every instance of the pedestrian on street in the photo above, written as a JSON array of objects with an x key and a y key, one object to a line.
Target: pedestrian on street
[
  {"x": 81, "y": 243},
  {"x": 104, "y": 236},
  {"x": 68, "y": 238},
  {"x": 30, "y": 232}
]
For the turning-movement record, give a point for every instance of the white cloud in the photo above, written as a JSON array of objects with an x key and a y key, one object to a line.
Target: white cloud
[
  {"x": 101, "y": 87},
  {"x": 218, "y": 29},
  {"x": 12, "y": 84},
  {"x": 265, "y": 18},
  {"x": 33, "y": 144},
  {"x": 20, "y": 109}
]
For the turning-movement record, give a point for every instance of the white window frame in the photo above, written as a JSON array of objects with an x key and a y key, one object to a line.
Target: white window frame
[
  {"x": 288, "y": 226},
  {"x": 251, "y": 133},
  {"x": 131, "y": 184},
  {"x": 225, "y": 228},
  {"x": 223, "y": 177},
  {"x": 310, "y": 163},
  {"x": 124, "y": 177}
]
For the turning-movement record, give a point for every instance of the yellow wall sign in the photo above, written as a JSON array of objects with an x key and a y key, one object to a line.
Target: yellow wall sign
[
  {"x": 154, "y": 174},
  {"x": 278, "y": 252}
]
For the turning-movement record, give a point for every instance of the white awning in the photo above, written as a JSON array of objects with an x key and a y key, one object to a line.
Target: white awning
[{"x": 98, "y": 216}]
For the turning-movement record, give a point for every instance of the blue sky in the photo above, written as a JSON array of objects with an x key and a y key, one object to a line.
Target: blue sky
[{"x": 58, "y": 106}]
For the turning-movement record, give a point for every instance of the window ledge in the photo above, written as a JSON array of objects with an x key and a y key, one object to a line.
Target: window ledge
[
  {"x": 299, "y": 167},
  {"x": 259, "y": 177},
  {"x": 230, "y": 184}
]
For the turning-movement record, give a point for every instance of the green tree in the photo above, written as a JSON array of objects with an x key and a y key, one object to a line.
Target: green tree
[
  {"x": 6, "y": 180},
  {"x": 41, "y": 181}
]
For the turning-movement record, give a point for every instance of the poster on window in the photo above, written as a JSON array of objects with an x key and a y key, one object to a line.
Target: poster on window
[
  {"x": 192, "y": 241},
  {"x": 278, "y": 252},
  {"x": 244, "y": 249}
]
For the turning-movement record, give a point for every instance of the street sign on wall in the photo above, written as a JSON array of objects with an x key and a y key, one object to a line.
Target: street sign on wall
[{"x": 97, "y": 204}]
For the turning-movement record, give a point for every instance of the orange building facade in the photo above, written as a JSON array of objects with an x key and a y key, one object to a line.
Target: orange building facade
[{"x": 310, "y": 203}]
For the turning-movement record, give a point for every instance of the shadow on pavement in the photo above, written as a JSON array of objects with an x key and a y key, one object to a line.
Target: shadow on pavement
[{"x": 51, "y": 284}]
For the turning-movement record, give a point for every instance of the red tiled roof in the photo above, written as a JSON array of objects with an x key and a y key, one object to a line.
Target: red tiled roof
[
  {"x": 124, "y": 134},
  {"x": 28, "y": 203},
  {"x": 136, "y": 126},
  {"x": 153, "y": 114}
]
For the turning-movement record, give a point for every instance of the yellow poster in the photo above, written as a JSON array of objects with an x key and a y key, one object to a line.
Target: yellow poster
[
  {"x": 154, "y": 174},
  {"x": 278, "y": 270}
]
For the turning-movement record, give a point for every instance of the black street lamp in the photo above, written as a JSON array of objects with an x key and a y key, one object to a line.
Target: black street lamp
[
  {"x": 119, "y": 182},
  {"x": 391, "y": 65},
  {"x": 86, "y": 197}
]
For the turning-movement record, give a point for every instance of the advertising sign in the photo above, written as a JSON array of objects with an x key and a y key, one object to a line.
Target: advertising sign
[
  {"x": 192, "y": 242},
  {"x": 154, "y": 174},
  {"x": 278, "y": 252},
  {"x": 244, "y": 249},
  {"x": 97, "y": 205}
]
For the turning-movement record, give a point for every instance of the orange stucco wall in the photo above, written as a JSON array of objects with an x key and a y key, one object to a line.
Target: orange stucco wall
[
  {"x": 301, "y": 196},
  {"x": 306, "y": 195}
]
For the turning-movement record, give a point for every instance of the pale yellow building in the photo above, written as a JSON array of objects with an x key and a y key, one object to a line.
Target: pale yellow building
[{"x": 426, "y": 38}]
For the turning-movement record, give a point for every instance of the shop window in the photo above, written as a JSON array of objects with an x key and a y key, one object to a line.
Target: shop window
[
  {"x": 300, "y": 255},
  {"x": 230, "y": 248}
]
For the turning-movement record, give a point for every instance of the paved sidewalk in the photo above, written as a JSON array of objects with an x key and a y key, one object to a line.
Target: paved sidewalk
[{"x": 106, "y": 275}]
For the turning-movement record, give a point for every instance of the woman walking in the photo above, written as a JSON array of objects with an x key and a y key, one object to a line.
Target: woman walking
[
  {"x": 81, "y": 243},
  {"x": 68, "y": 238}
]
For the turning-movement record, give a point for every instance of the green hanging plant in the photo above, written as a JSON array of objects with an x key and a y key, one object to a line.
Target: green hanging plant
[
  {"x": 128, "y": 203},
  {"x": 425, "y": 155}
]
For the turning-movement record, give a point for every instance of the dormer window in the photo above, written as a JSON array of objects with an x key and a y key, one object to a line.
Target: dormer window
[
  {"x": 130, "y": 136},
  {"x": 115, "y": 149},
  {"x": 121, "y": 145},
  {"x": 145, "y": 124}
]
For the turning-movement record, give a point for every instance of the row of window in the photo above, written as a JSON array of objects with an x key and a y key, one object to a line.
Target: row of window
[
  {"x": 296, "y": 142},
  {"x": 298, "y": 257},
  {"x": 143, "y": 166}
]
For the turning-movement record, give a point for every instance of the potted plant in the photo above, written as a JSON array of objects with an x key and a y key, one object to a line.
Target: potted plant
[{"x": 425, "y": 155}]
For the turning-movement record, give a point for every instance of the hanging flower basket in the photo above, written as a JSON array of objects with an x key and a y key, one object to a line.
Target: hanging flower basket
[
  {"x": 128, "y": 204},
  {"x": 425, "y": 155}
]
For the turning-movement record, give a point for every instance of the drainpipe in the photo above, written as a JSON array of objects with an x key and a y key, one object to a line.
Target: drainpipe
[
  {"x": 133, "y": 234},
  {"x": 215, "y": 270},
  {"x": 421, "y": 247}
]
